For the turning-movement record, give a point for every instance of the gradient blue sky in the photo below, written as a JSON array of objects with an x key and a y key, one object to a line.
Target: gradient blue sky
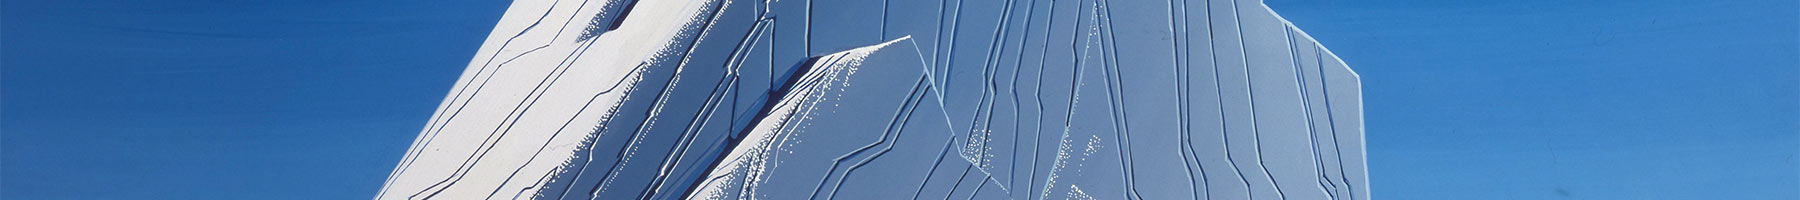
[
  {"x": 1638, "y": 99},
  {"x": 1536, "y": 99}
]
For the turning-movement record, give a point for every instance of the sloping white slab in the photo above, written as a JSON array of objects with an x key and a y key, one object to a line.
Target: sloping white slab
[
  {"x": 533, "y": 94},
  {"x": 1083, "y": 99}
]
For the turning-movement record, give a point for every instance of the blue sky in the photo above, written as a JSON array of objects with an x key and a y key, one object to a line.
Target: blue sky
[
  {"x": 1536, "y": 99},
  {"x": 223, "y": 99},
  {"x": 1596, "y": 100}
]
